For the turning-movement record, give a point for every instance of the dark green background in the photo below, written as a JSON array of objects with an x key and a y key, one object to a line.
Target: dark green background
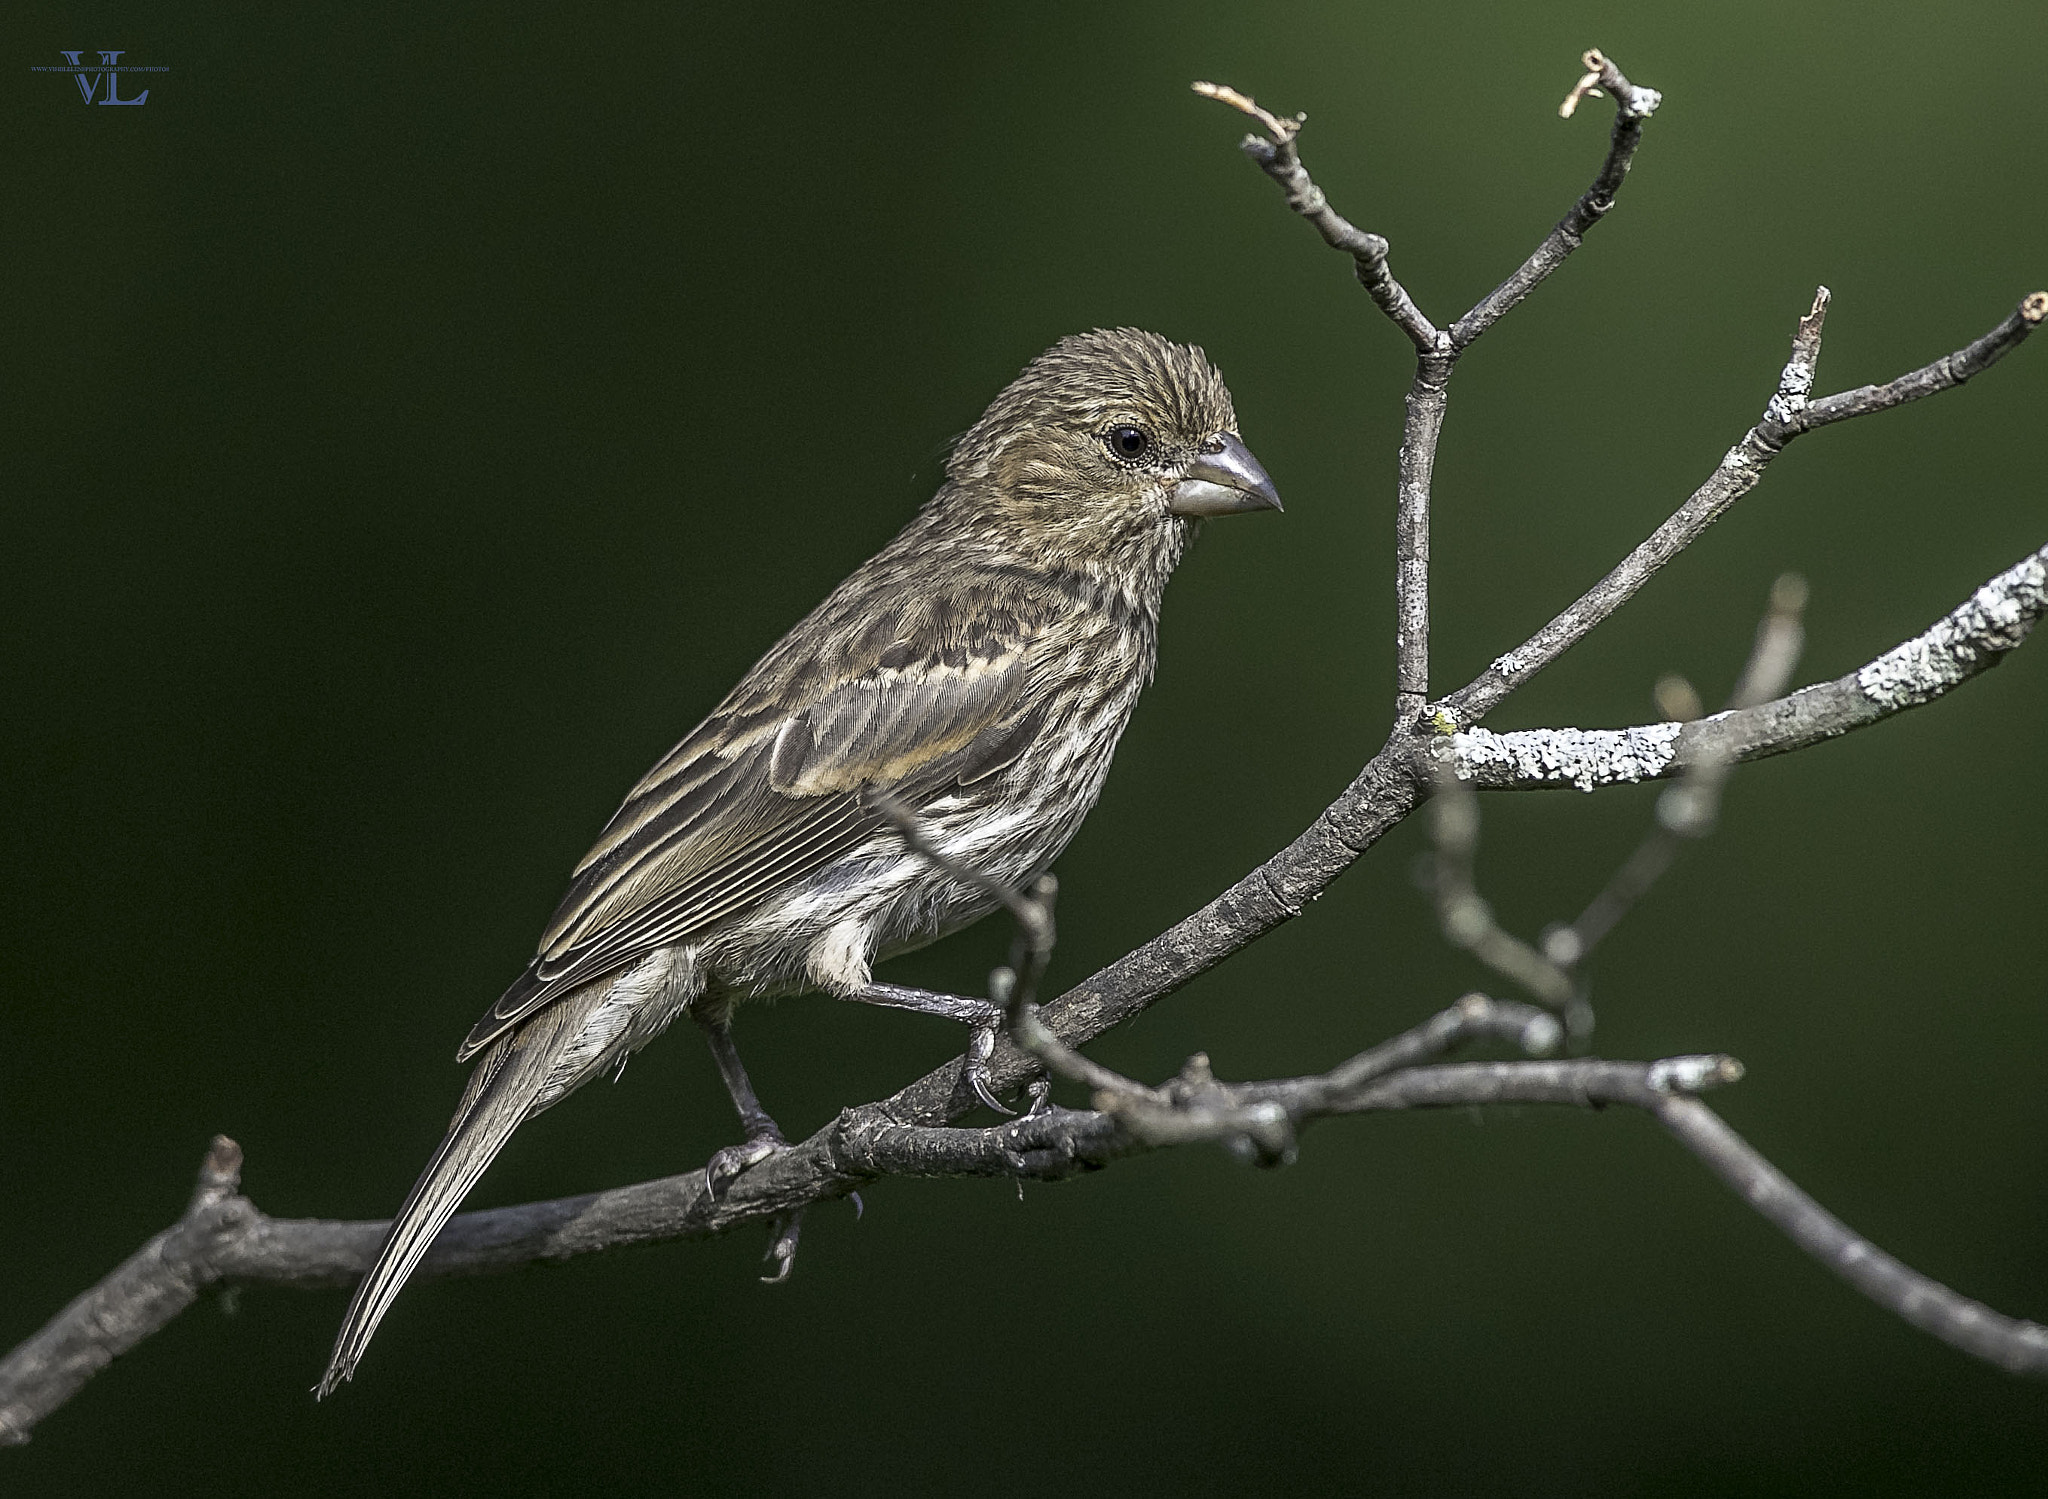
[{"x": 415, "y": 421}]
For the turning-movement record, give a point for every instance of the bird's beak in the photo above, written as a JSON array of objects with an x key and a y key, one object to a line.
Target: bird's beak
[{"x": 1224, "y": 482}]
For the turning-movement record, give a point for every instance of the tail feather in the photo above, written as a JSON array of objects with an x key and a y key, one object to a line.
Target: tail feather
[{"x": 500, "y": 1096}]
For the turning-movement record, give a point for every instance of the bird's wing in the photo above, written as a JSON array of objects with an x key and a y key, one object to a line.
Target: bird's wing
[{"x": 760, "y": 795}]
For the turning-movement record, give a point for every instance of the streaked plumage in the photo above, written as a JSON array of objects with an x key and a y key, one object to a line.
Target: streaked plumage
[{"x": 979, "y": 670}]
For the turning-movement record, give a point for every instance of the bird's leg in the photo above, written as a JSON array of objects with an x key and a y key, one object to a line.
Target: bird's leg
[
  {"x": 984, "y": 1016},
  {"x": 763, "y": 1137}
]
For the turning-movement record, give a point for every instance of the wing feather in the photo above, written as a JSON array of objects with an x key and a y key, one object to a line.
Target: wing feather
[{"x": 753, "y": 801}]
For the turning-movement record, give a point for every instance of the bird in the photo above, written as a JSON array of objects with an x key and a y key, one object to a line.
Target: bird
[{"x": 976, "y": 674}]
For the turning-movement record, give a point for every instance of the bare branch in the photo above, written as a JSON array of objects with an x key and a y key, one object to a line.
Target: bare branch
[
  {"x": 1971, "y": 638},
  {"x": 1737, "y": 474},
  {"x": 146, "y": 1291},
  {"x": 1475, "y": 1017},
  {"x": 1945, "y": 373},
  {"x": 1437, "y": 351},
  {"x": 1428, "y": 395},
  {"x": 2013, "y": 1345},
  {"x": 223, "y": 1237},
  {"x": 1633, "y": 106},
  {"x": 1280, "y": 159}
]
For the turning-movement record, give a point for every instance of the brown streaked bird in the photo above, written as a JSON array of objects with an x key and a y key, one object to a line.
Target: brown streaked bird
[{"x": 978, "y": 671}]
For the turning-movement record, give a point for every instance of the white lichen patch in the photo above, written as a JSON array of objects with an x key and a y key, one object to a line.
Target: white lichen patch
[
  {"x": 1739, "y": 457},
  {"x": 1584, "y": 758},
  {"x": 1991, "y": 621}
]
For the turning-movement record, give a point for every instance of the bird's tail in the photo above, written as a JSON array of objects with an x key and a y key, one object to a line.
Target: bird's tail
[{"x": 500, "y": 1095}]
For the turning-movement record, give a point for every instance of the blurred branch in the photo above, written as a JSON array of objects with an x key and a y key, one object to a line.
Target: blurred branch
[
  {"x": 1466, "y": 917},
  {"x": 1688, "y": 811},
  {"x": 1551, "y": 972}
]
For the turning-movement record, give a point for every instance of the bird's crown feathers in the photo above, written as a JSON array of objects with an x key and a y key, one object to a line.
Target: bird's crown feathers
[{"x": 1089, "y": 384}]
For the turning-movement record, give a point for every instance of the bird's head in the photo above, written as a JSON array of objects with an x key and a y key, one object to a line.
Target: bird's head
[{"x": 1109, "y": 443}]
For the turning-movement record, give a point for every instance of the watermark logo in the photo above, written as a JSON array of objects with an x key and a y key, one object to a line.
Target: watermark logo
[{"x": 101, "y": 84}]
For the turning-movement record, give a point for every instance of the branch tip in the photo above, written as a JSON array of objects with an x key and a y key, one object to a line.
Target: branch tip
[
  {"x": 2034, "y": 306},
  {"x": 1632, "y": 102},
  {"x": 1677, "y": 699},
  {"x": 1694, "y": 1074},
  {"x": 1542, "y": 1034},
  {"x": 220, "y": 1173},
  {"x": 1789, "y": 594},
  {"x": 1586, "y": 88},
  {"x": 1796, "y": 383},
  {"x": 1282, "y": 130}
]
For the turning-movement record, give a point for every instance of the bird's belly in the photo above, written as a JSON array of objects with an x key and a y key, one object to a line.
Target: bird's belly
[{"x": 877, "y": 902}]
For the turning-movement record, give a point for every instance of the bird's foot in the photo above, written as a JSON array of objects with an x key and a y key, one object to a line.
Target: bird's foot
[
  {"x": 975, "y": 1068},
  {"x": 782, "y": 1236},
  {"x": 729, "y": 1164},
  {"x": 1039, "y": 1091}
]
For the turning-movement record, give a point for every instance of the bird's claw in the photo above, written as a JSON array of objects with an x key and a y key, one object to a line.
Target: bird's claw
[
  {"x": 729, "y": 1164},
  {"x": 1039, "y": 1091},
  {"x": 979, "y": 1050}
]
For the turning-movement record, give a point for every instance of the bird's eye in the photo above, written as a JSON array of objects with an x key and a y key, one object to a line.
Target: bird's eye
[{"x": 1129, "y": 442}]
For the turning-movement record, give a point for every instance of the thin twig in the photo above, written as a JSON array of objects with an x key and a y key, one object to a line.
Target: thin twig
[
  {"x": 1280, "y": 159},
  {"x": 1633, "y": 106},
  {"x": 1945, "y": 373},
  {"x": 1738, "y": 473},
  {"x": 1436, "y": 351},
  {"x": 1259, "y": 1122},
  {"x": 2016, "y": 1346}
]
